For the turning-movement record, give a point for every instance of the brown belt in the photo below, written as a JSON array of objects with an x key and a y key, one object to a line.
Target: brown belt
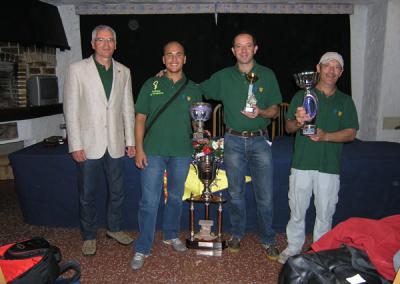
[{"x": 245, "y": 133}]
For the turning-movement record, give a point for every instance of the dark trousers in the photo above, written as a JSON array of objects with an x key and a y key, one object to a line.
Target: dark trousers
[{"x": 89, "y": 174}]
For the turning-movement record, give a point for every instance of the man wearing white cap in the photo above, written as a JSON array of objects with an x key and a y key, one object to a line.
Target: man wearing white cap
[{"x": 317, "y": 158}]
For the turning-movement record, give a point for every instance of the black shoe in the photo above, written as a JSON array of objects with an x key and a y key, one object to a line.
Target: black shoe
[
  {"x": 272, "y": 251},
  {"x": 234, "y": 245}
]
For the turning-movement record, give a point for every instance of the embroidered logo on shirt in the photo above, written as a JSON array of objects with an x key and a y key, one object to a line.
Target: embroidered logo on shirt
[
  {"x": 339, "y": 113},
  {"x": 155, "y": 91},
  {"x": 260, "y": 89},
  {"x": 188, "y": 98}
]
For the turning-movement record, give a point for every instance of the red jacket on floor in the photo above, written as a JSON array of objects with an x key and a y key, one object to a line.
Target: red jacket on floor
[{"x": 380, "y": 239}]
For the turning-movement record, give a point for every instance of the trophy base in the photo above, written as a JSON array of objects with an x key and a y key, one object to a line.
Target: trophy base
[
  {"x": 309, "y": 129},
  {"x": 198, "y": 136},
  {"x": 206, "y": 247},
  {"x": 248, "y": 109}
]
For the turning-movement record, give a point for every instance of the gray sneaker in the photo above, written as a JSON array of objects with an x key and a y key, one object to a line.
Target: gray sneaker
[
  {"x": 284, "y": 255},
  {"x": 138, "y": 261},
  {"x": 120, "y": 237},
  {"x": 176, "y": 244},
  {"x": 89, "y": 247}
]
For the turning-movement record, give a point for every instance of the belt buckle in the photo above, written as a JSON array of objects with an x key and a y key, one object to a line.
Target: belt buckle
[{"x": 246, "y": 133}]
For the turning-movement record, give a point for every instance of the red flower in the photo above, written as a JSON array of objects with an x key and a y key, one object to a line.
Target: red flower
[{"x": 207, "y": 150}]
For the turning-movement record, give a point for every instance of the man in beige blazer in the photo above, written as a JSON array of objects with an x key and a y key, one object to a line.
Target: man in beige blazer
[{"x": 99, "y": 113}]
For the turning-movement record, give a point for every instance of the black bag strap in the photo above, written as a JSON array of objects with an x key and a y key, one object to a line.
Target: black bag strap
[
  {"x": 165, "y": 107},
  {"x": 71, "y": 265}
]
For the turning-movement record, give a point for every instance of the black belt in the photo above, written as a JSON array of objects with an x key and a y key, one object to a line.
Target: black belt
[{"x": 245, "y": 133}]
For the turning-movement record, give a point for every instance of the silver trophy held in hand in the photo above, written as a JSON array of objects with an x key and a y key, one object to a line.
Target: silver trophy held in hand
[
  {"x": 200, "y": 112},
  {"x": 306, "y": 81},
  {"x": 251, "y": 100}
]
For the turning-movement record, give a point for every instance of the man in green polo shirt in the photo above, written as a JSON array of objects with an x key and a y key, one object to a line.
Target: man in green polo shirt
[
  {"x": 317, "y": 158},
  {"x": 245, "y": 140},
  {"x": 166, "y": 146}
]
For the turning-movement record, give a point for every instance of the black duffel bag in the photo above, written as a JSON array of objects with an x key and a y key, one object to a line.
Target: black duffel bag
[{"x": 329, "y": 266}]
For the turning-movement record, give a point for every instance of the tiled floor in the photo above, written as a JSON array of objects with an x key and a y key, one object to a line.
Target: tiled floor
[{"x": 111, "y": 262}]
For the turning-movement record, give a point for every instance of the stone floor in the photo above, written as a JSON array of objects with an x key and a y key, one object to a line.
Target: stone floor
[{"x": 111, "y": 262}]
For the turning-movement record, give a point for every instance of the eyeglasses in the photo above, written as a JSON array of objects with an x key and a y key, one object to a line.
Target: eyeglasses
[{"x": 102, "y": 40}]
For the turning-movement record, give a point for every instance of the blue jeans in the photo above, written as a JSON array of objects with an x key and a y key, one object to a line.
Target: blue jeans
[
  {"x": 89, "y": 173},
  {"x": 152, "y": 188},
  {"x": 253, "y": 153}
]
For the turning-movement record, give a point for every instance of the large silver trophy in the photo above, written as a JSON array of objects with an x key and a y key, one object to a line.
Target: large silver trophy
[
  {"x": 251, "y": 100},
  {"x": 205, "y": 241},
  {"x": 200, "y": 112},
  {"x": 306, "y": 81}
]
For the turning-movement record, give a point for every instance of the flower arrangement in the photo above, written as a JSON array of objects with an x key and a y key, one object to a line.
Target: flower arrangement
[{"x": 214, "y": 146}]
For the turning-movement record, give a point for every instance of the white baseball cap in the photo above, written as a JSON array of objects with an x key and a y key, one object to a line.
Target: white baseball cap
[{"x": 328, "y": 56}]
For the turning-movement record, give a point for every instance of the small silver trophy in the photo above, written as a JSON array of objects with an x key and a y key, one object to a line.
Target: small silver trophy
[
  {"x": 200, "y": 112},
  {"x": 306, "y": 81},
  {"x": 251, "y": 98}
]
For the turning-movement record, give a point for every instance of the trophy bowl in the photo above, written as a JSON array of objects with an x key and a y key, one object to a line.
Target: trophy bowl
[
  {"x": 200, "y": 112},
  {"x": 306, "y": 80},
  {"x": 206, "y": 171}
]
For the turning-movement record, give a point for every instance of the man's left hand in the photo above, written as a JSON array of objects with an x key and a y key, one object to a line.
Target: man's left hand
[
  {"x": 319, "y": 136},
  {"x": 131, "y": 151},
  {"x": 253, "y": 114}
]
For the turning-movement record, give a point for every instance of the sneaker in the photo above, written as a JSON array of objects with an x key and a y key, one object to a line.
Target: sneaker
[
  {"x": 284, "y": 255},
  {"x": 120, "y": 237},
  {"x": 272, "y": 251},
  {"x": 89, "y": 247},
  {"x": 234, "y": 245},
  {"x": 138, "y": 260},
  {"x": 176, "y": 244}
]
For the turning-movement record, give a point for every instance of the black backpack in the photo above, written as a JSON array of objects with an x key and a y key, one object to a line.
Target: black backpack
[{"x": 35, "y": 261}]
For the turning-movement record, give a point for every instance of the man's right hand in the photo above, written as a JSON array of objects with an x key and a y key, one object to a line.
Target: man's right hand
[
  {"x": 301, "y": 116},
  {"x": 140, "y": 159},
  {"x": 161, "y": 73},
  {"x": 79, "y": 156}
]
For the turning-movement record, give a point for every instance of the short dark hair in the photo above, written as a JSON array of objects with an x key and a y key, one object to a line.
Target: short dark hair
[{"x": 244, "y": 33}]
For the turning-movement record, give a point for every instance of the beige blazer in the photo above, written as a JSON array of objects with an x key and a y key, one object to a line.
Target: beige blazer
[{"x": 93, "y": 123}]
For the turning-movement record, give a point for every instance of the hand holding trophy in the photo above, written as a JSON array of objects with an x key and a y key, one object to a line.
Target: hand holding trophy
[
  {"x": 306, "y": 81},
  {"x": 251, "y": 98}
]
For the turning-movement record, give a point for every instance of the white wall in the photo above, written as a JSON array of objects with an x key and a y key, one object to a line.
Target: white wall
[
  {"x": 72, "y": 30},
  {"x": 389, "y": 105}
]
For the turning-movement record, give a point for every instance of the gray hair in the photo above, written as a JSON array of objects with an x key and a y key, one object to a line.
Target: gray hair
[{"x": 103, "y": 27}]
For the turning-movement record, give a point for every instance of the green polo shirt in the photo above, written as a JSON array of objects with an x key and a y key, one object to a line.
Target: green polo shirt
[
  {"x": 336, "y": 112},
  {"x": 230, "y": 86},
  {"x": 171, "y": 134},
  {"x": 106, "y": 77}
]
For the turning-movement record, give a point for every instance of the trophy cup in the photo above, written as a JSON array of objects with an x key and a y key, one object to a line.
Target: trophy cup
[
  {"x": 306, "y": 81},
  {"x": 205, "y": 241},
  {"x": 200, "y": 112},
  {"x": 251, "y": 98}
]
